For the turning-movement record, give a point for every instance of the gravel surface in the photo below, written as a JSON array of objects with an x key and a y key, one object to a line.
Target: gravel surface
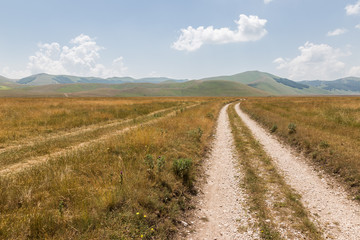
[
  {"x": 221, "y": 213},
  {"x": 337, "y": 215}
]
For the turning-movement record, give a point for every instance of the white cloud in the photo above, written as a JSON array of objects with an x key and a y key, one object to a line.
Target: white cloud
[
  {"x": 316, "y": 61},
  {"x": 353, "y": 9},
  {"x": 80, "y": 59},
  {"x": 357, "y": 26},
  {"x": 250, "y": 28},
  {"x": 267, "y": 1},
  {"x": 355, "y": 71},
  {"x": 337, "y": 32}
]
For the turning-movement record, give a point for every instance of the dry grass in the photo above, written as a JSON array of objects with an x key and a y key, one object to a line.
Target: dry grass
[
  {"x": 275, "y": 206},
  {"x": 28, "y": 117},
  {"x": 108, "y": 191},
  {"x": 327, "y": 131}
]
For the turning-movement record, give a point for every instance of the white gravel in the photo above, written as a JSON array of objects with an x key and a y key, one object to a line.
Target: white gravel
[
  {"x": 338, "y": 216},
  {"x": 221, "y": 211}
]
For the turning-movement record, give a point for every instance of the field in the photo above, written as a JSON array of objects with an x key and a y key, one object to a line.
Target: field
[
  {"x": 326, "y": 129},
  {"x": 130, "y": 168},
  {"x": 130, "y": 184}
]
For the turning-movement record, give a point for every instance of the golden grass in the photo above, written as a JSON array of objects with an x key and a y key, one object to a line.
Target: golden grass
[
  {"x": 28, "y": 117},
  {"x": 107, "y": 190},
  {"x": 327, "y": 131}
]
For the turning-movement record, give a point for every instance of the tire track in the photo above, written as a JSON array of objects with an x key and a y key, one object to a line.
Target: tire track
[
  {"x": 25, "y": 164},
  {"x": 338, "y": 216}
]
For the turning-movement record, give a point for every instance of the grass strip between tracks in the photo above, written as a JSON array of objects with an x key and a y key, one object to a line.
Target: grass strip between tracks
[{"x": 277, "y": 208}]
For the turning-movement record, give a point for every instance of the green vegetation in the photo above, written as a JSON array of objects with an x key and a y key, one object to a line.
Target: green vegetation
[
  {"x": 327, "y": 131},
  {"x": 272, "y": 202}
]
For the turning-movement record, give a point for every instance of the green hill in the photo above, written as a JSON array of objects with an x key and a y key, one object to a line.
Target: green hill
[
  {"x": 189, "y": 88},
  {"x": 272, "y": 84}
]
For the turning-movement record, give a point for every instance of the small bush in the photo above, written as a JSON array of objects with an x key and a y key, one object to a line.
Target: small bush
[
  {"x": 196, "y": 134},
  {"x": 273, "y": 128},
  {"x": 182, "y": 168},
  {"x": 160, "y": 163},
  {"x": 292, "y": 128},
  {"x": 324, "y": 144},
  {"x": 210, "y": 115}
]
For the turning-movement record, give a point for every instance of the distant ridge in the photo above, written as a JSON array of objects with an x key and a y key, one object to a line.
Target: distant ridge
[
  {"x": 251, "y": 83},
  {"x": 46, "y": 79},
  {"x": 346, "y": 85}
]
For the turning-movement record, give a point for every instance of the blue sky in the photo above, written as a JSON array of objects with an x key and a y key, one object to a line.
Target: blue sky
[{"x": 298, "y": 39}]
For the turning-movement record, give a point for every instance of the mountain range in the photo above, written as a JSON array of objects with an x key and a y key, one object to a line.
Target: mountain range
[{"x": 251, "y": 83}]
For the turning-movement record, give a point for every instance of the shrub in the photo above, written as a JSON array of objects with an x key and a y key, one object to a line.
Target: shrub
[
  {"x": 160, "y": 163},
  {"x": 182, "y": 167},
  {"x": 292, "y": 128},
  {"x": 273, "y": 128}
]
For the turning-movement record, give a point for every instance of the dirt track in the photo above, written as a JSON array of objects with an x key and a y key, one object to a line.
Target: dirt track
[
  {"x": 337, "y": 215},
  {"x": 27, "y": 163},
  {"x": 221, "y": 210}
]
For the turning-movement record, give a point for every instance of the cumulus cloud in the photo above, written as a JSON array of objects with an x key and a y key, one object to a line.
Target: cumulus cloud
[
  {"x": 337, "y": 32},
  {"x": 316, "y": 61},
  {"x": 80, "y": 58},
  {"x": 267, "y": 1},
  {"x": 357, "y": 26},
  {"x": 249, "y": 28},
  {"x": 353, "y": 9}
]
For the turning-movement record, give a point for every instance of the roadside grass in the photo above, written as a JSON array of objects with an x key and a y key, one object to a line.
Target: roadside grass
[
  {"x": 28, "y": 117},
  {"x": 327, "y": 131},
  {"x": 109, "y": 190},
  {"x": 275, "y": 206}
]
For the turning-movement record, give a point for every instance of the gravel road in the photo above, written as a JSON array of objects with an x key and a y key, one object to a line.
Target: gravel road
[
  {"x": 338, "y": 216},
  {"x": 222, "y": 206}
]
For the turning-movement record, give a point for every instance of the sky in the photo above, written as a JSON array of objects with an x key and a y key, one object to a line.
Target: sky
[{"x": 187, "y": 39}]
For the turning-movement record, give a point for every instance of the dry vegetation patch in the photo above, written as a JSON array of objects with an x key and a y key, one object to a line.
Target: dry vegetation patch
[
  {"x": 327, "y": 130},
  {"x": 127, "y": 186}
]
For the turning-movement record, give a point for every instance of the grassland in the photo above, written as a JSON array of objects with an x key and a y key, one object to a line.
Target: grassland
[
  {"x": 326, "y": 129},
  {"x": 28, "y": 117},
  {"x": 129, "y": 186}
]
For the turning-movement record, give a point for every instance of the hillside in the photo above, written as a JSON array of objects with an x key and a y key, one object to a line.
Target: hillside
[
  {"x": 46, "y": 79},
  {"x": 349, "y": 85},
  {"x": 272, "y": 84},
  {"x": 189, "y": 88}
]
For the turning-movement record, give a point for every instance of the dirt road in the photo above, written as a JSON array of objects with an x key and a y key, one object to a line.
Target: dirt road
[
  {"x": 338, "y": 216},
  {"x": 222, "y": 204}
]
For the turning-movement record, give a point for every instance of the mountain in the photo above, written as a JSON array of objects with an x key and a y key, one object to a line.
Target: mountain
[
  {"x": 272, "y": 84},
  {"x": 349, "y": 85},
  {"x": 188, "y": 88},
  {"x": 46, "y": 79},
  {"x": 252, "y": 83}
]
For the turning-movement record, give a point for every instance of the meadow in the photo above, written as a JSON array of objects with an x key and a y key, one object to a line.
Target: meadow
[
  {"x": 326, "y": 129},
  {"x": 131, "y": 185}
]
